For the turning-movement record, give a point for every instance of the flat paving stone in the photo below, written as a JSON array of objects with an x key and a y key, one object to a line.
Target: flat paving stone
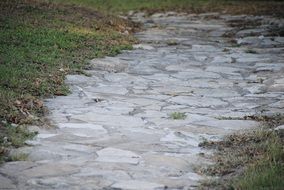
[
  {"x": 6, "y": 183},
  {"x": 137, "y": 185},
  {"x": 198, "y": 101},
  {"x": 50, "y": 169},
  {"x": 118, "y": 156}
]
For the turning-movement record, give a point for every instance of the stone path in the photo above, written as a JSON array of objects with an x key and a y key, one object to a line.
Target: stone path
[{"x": 115, "y": 130}]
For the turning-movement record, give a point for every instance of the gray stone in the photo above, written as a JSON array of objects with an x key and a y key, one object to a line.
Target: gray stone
[
  {"x": 204, "y": 48},
  {"x": 251, "y": 32},
  {"x": 137, "y": 185},
  {"x": 230, "y": 125},
  {"x": 224, "y": 70},
  {"x": 198, "y": 101},
  {"x": 279, "y": 128},
  {"x": 181, "y": 139},
  {"x": 112, "y": 120},
  {"x": 6, "y": 183},
  {"x": 110, "y": 64},
  {"x": 259, "y": 41},
  {"x": 50, "y": 169},
  {"x": 117, "y": 156},
  {"x": 78, "y": 80},
  {"x": 143, "y": 46},
  {"x": 83, "y": 129},
  {"x": 278, "y": 85},
  {"x": 114, "y": 175}
]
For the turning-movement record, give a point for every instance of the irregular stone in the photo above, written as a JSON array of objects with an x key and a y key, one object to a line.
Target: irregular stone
[
  {"x": 6, "y": 183},
  {"x": 216, "y": 92},
  {"x": 229, "y": 125},
  {"x": 45, "y": 136},
  {"x": 78, "y": 80},
  {"x": 112, "y": 120},
  {"x": 200, "y": 57},
  {"x": 280, "y": 130},
  {"x": 68, "y": 182},
  {"x": 222, "y": 59},
  {"x": 251, "y": 32},
  {"x": 264, "y": 42},
  {"x": 50, "y": 169},
  {"x": 109, "y": 89},
  {"x": 137, "y": 185},
  {"x": 165, "y": 161},
  {"x": 181, "y": 139},
  {"x": 110, "y": 64},
  {"x": 114, "y": 175},
  {"x": 143, "y": 46},
  {"x": 224, "y": 70},
  {"x": 278, "y": 85},
  {"x": 83, "y": 129},
  {"x": 281, "y": 127},
  {"x": 204, "y": 48},
  {"x": 13, "y": 169},
  {"x": 268, "y": 67},
  {"x": 278, "y": 104},
  {"x": 117, "y": 156},
  {"x": 198, "y": 101},
  {"x": 195, "y": 74}
]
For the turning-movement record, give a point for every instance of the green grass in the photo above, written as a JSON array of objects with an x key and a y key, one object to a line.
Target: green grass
[
  {"x": 178, "y": 116},
  {"x": 267, "y": 172},
  {"x": 127, "y": 5},
  {"x": 40, "y": 43},
  {"x": 18, "y": 157}
]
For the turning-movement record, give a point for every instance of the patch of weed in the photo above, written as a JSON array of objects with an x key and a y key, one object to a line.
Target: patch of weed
[
  {"x": 270, "y": 121},
  {"x": 172, "y": 43},
  {"x": 250, "y": 160},
  {"x": 251, "y": 51},
  {"x": 12, "y": 137},
  {"x": 17, "y": 157},
  {"x": 178, "y": 115}
]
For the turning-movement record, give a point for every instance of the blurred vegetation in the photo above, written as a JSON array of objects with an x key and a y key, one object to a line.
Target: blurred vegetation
[
  {"x": 249, "y": 160},
  {"x": 271, "y": 7}
]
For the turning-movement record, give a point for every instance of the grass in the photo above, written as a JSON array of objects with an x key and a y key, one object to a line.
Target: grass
[
  {"x": 192, "y": 6},
  {"x": 178, "y": 116},
  {"x": 250, "y": 160},
  {"x": 40, "y": 43},
  {"x": 172, "y": 43},
  {"x": 268, "y": 171},
  {"x": 18, "y": 157}
]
